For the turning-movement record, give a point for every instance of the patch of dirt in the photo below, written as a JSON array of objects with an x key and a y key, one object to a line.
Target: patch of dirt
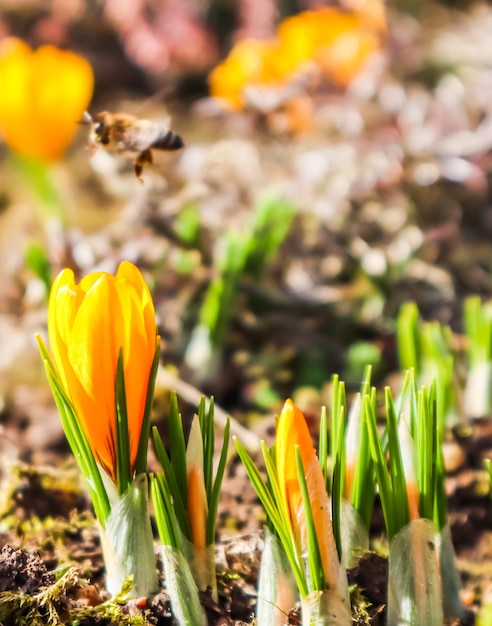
[{"x": 22, "y": 571}]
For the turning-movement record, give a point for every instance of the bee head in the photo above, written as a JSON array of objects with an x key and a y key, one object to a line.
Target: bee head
[
  {"x": 100, "y": 128},
  {"x": 99, "y": 131}
]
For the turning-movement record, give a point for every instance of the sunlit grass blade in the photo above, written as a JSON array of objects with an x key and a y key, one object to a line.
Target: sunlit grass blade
[
  {"x": 383, "y": 480},
  {"x": 187, "y": 224},
  {"x": 439, "y": 367},
  {"x": 272, "y": 219},
  {"x": 213, "y": 500},
  {"x": 400, "y": 507},
  {"x": 428, "y": 349},
  {"x": 427, "y": 451},
  {"x": 268, "y": 496},
  {"x": 41, "y": 184},
  {"x": 338, "y": 400},
  {"x": 477, "y": 321},
  {"x": 407, "y": 336},
  {"x": 407, "y": 403},
  {"x": 218, "y": 303},
  {"x": 123, "y": 469},
  {"x": 441, "y": 500},
  {"x": 37, "y": 260},
  {"x": 165, "y": 516},
  {"x": 143, "y": 444},
  {"x": 239, "y": 252},
  {"x": 178, "y": 447},
  {"x": 76, "y": 439},
  {"x": 172, "y": 485},
  {"x": 206, "y": 419},
  {"x": 323, "y": 442},
  {"x": 363, "y": 487},
  {"x": 276, "y": 492},
  {"x": 359, "y": 484},
  {"x": 313, "y": 552},
  {"x": 264, "y": 493},
  {"x": 337, "y": 489}
]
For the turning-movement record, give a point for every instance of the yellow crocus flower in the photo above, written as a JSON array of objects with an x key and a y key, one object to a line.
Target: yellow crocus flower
[
  {"x": 44, "y": 94},
  {"x": 89, "y": 323}
]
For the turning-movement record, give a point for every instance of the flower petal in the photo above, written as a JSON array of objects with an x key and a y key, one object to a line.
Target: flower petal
[
  {"x": 292, "y": 430},
  {"x": 44, "y": 94},
  {"x": 197, "y": 498}
]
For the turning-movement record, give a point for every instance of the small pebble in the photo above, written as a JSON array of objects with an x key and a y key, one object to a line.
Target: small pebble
[{"x": 454, "y": 457}]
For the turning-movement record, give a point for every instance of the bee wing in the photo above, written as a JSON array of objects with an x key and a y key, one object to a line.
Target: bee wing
[{"x": 144, "y": 134}]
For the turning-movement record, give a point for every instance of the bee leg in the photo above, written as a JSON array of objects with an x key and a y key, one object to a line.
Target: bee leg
[{"x": 144, "y": 157}]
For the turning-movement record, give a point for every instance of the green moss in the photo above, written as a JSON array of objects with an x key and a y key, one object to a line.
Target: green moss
[{"x": 51, "y": 606}]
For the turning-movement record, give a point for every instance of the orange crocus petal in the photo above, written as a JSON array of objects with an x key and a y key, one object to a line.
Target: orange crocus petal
[
  {"x": 349, "y": 477},
  {"x": 413, "y": 500},
  {"x": 44, "y": 94},
  {"x": 88, "y": 325},
  {"x": 93, "y": 348},
  {"x": 408, "y": 456},
  {"x": 293, "y": 431},
  {"x": 197, "y": 506},
  {"x": 131, "y": 274},
  {"x": 138, "y": 347}
]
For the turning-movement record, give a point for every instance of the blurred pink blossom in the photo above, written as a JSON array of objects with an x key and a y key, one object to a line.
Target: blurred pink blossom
[
  {"x": 257, "y": 19},
  {"x": 163, "y": 33}
]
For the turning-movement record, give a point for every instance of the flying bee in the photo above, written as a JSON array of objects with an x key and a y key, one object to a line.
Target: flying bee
[{"x": 119, "y": 133}]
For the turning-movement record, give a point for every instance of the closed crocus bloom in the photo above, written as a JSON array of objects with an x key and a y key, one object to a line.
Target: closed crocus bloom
[
  {"x": 292, "y": 431},
  {"x": 197, "y": 498},
  {"x": 44, "y": 94},
  {"x": 89, "y": 323},
  {"x": 201, "y": 556}
]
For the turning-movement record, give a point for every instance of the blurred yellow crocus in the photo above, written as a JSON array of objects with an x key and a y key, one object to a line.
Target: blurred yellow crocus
[
  {"x": 89, "y": 323},
  {"x": 292, "y": 432},
  {"x": 44, "y": 94},
  {"x": 243, "y": 66},
  {"x": 338, "y": 43}
]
